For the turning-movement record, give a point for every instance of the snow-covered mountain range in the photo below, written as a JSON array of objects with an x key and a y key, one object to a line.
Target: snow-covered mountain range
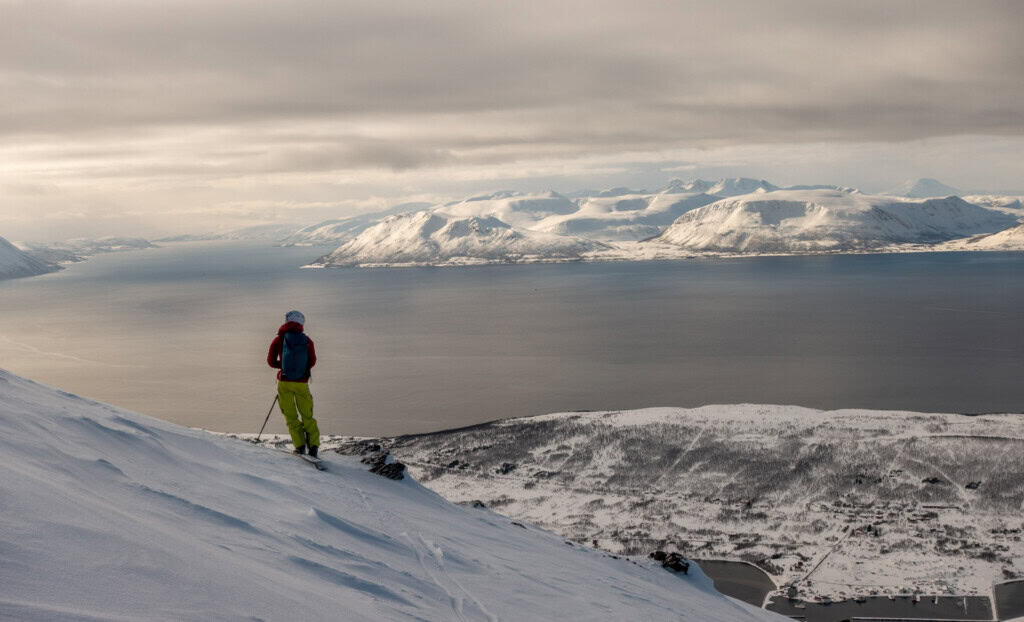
[
  {"x": 827, "y": 220},
  {"x": 835, "y": 504},
  {"x": 110, "y": 515},
  {"x": 80, "y": 249},
  {"x": 16, "y": 263},
  {"x": 746, "y": 216},
  {"x": 434, "y": 238},
  {"x": 272, "y": 232}
]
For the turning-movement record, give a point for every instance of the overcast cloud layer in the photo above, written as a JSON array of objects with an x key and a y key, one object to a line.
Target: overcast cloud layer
[{"x": 119, "y": 111}]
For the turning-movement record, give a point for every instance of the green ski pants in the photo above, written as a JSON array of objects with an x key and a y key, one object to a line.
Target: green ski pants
[{"x": 296, "y": 401}]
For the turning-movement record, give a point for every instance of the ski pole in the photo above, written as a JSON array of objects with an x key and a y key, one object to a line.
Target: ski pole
[{"x": 266, "y": 420}]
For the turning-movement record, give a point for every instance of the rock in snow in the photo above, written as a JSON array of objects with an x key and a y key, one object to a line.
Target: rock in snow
[
  {"x": 110, "y": 515},
  {"x": 15, "y": 263}
]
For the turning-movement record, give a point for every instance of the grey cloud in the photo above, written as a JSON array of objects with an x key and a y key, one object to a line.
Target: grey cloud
[{"x": 554, "y": 79}]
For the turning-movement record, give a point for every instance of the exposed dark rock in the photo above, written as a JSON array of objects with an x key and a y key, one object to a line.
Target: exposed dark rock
[
  {"x": 671, "y": 561},
  {"x": 973, "y": 485},
  {"x": 519, "y": 524},
  {"x": 676, "y": 563},
  {"x": 505, "y": 468},
  {"x": 359, "y": 447},
  {"x": 479, "y": 504},
  {"x": 379, "y": 464}
]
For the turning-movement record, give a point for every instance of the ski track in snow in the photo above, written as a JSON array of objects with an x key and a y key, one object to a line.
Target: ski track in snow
[
  {"x": 437, "y": 554},
  {"x": 34, "y": 350}
]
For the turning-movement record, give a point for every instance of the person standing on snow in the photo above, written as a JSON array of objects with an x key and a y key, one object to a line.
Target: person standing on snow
[{"x": 292, "y": 352}]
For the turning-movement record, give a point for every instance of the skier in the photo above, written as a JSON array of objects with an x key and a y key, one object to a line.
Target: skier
[{"x": 292, "y": 352}]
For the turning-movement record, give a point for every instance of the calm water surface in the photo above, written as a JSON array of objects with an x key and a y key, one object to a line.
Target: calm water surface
[{"x": 181, "y": 333}]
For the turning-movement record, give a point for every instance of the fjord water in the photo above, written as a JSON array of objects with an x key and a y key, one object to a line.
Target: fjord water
[{"x": 181, "y": 332}]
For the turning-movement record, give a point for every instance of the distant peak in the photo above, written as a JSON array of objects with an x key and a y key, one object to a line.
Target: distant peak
[{"x": 926, "y": 187}]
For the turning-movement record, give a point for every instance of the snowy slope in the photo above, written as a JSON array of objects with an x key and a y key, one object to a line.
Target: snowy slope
[
  {"x": 827, "y": 220},
  {"x": 517, "y": 209},
  {"x": 109, "y": 515},
  {"x": 1000, "y": 203},
  {"x": 624, "y": 217},
  {"x": 336, "y": 231},
  {"x": 437, "y": 238},
  {"x": 1011, "y": 239},
  {"x": 15, "y": 263}
]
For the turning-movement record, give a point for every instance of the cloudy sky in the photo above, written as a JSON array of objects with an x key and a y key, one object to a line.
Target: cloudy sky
[{"x": 148, "y": 117}]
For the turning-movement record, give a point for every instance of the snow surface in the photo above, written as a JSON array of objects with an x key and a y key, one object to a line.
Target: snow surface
[
  {"x": 15, "y": 263},
  {"x": 826, "y": 220},
  {"x": 335, "y": 231},
  {"x": 110, "y": 515},
  {"x": 1011, "y": 239},
  {"x": 624, "y": 217}
]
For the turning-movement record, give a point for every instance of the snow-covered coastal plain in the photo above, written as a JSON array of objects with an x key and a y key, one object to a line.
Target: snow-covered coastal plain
[
  {"x": 110, "y": 515},
  {"x": 835, "y": 504}
]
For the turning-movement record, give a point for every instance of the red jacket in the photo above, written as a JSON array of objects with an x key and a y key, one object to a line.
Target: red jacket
[{"x": 274, "y": 354}]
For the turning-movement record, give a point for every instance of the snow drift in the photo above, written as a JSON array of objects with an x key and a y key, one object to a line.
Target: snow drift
[
  {"x": 827, "y": 220},
  {"x": 112, "y": 515}
]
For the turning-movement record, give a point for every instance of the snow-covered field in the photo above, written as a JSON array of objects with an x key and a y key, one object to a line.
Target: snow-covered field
[
  {"x": 837, "y": 503},
  {"x": 110, "y": 515}
]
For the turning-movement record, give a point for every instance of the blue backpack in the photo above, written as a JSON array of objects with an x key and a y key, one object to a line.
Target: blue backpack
[{"x": 294, "y": 356}]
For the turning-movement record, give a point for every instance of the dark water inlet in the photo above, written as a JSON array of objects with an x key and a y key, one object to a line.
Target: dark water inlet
[
  {"x": 1010, "y": 600},
  {"x": 882, "y": 608},
  {"x": 740, "y": 580},
  {"x": 181, "y": 333}
]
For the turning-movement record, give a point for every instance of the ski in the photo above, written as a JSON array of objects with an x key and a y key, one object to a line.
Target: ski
[{"x": 316, "y": 462}]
